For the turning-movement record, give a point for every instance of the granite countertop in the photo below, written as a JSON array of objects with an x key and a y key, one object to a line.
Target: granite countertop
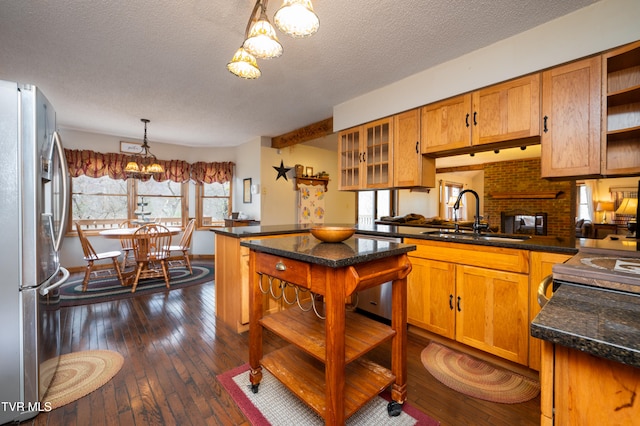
[
  {"x": 601, "y": 322},
  {"x": 536, "y": 243},
  {"x": 308, "y": 249}
]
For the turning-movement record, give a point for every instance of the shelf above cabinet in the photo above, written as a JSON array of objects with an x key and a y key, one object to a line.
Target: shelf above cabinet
[{"x": 312, "y": 181}]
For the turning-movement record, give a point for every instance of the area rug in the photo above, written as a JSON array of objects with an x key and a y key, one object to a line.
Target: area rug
[
  {"x": 78, "y": 374},
  {"x": 477, "y": 378},
  {"x": 275, "y": 405},
  {"x": 109, "y": 288}
]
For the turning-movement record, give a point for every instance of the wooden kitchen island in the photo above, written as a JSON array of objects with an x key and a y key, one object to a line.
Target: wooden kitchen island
[{"x": 324, "y": 364}]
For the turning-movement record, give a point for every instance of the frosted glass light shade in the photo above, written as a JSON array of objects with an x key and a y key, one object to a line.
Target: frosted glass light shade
[
  {"x": 262, "y": 41},
  {"x": 297, "y": 18},
  {"x": 154, "y": 168},
  {"x": 244, "y": 65}
]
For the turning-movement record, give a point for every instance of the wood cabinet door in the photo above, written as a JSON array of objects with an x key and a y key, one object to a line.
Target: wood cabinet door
[
  {"x": 410, "y": 167},
  {"x": 571, "y": 106},
  {"x": 350, "y": 159},
  {"x": 541, "y": 266},
  {"x": 491, "y": 309},
  {"x": 590, "y": 390},
  {"x": 506, "y": 111},
  {"x": 431, "y": 296},
  {"x": 446, "y": 125},
  {"x": 378, "y": 154}
]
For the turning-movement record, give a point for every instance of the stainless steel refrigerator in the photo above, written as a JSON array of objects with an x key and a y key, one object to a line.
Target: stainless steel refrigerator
[{"x": 34, "y": 195}]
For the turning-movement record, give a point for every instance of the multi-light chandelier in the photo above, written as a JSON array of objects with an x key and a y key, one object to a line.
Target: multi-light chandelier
[
  {"x": 295, "y": 18},
  {"x": 144, "y": 163}
]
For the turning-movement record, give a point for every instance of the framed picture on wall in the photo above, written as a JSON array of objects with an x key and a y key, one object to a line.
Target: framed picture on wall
[{"x": 246, "y": 190}]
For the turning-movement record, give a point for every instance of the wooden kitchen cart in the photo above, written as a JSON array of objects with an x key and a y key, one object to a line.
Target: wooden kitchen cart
[{"x": 323, "y": 365}]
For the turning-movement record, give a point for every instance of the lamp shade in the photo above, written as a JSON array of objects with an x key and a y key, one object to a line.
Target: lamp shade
[
  {"x": 244, "y": 65},
  {"x": 296, "y": 18},
  {"x": 629, "y": 206},
  {"x": 262, "y": 41},
  {"x": 604, "y": 206}
]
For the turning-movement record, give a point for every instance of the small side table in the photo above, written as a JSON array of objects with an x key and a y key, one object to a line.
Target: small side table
[{"x": 601, "y": 230}]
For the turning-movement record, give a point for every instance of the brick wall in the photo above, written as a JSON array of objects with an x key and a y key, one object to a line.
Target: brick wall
[{"x": 524, "y": 176}]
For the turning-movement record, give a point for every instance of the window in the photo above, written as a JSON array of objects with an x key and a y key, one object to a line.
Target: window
[
  {"x": 214, "y": 203},
  {"x": 451, "y": 192},
  {"x": 98, "y": 202},
  {"x": 584, "y": 200},
  {"x": 103, "y": 202},
  {"x": 372, "y": 205},
  {"x": 161, "y": 202}
]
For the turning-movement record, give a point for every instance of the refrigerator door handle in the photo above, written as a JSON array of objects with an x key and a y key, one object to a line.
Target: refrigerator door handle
[
  {"x": 65, "y": 191},
  {"x": 45, "y": 289}
]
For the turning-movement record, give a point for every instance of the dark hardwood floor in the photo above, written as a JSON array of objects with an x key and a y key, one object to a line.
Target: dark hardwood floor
[{"x": 174, "y": 347}]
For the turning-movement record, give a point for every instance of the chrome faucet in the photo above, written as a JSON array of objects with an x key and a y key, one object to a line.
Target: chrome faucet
[{"x": 477, "y": 226}]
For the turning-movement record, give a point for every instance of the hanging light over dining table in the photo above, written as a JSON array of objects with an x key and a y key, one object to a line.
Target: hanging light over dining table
[
  {"x": 295, "y": 18},
  {"x": 144, "y": 163}
]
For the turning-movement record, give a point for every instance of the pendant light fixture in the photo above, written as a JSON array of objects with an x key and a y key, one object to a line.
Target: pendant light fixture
[
  {"x": 145, "y": 163},
  {"x": 295, "y": 18},
  {"x": 262, "y": 41}
]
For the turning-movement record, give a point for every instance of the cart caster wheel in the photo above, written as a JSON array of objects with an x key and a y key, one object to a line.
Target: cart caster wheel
[
  {"x": 394, "y": 409},
  {"x": 254, "y": 388}
]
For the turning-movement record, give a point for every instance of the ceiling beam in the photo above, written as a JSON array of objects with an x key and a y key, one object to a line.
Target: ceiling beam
[{"x": 304, "y": 134}]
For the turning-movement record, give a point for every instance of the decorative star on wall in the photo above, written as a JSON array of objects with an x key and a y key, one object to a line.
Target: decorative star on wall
[{"x": 282, "y": 171}]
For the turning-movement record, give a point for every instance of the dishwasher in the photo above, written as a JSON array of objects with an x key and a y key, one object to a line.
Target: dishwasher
[{"x": 377, "y": 300}]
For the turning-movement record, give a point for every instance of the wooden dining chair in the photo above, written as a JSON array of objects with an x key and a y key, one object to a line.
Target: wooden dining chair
[
  {"x": 90, "y": 256},
  {"x": 151, "y": 247},
  {"x": 127, "y": 244},
  {"x": 185, "y": 244}
]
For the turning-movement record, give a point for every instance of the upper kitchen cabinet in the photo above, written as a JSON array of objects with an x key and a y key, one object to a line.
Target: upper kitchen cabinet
[
  {"x": 503, "y": 112},
  {"x": 366, "y": 156},
  {"x": 410, "y": 167},
  {"x": 506, "y": 111},
  {"x": 571, "y": 105},
  {"x": 446, "y": 125},
  {"x": 621, "y": 111},
  {"x": 350, "y": 158}
]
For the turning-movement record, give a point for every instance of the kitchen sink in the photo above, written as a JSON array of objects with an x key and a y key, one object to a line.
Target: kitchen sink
[{"x": 469, "y": 235}]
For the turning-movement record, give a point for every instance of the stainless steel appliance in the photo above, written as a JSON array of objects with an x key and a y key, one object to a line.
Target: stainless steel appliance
[
  {"x": 34, "y": 198},
  {"x": 377, "y": 300}
]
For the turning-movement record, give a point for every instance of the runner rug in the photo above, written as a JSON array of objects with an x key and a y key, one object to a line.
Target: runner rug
[
  {"x": 78, "y": 374},
  {"x": 477, "y": 378},
  {"x": 275, "y": 405},
  {"x": 102, "y": 289}
]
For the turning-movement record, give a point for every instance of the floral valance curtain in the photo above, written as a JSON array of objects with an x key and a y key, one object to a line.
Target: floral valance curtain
[{"x": 96, "y": 164}]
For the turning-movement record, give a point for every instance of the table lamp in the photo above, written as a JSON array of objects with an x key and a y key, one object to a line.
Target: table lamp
[
  {"x": 604, "y": 207},
  {"x": 629, "y": 207}
]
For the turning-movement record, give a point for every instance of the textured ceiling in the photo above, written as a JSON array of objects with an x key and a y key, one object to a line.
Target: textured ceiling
[{"x": 106, "y": 64}]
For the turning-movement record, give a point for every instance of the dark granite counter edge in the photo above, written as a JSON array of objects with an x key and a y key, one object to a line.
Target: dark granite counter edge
[
  {"x": 546, "y": 244},
  {"x": 591, "y": 346},
  {"x": 332, "y": 263}
]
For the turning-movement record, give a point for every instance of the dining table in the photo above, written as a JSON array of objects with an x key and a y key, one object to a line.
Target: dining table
[{"x": 130, "y": 233}]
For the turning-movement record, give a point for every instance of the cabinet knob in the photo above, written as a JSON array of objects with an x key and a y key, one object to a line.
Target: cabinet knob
[
  {"x": 545, "y": 124},
  {"x": 281, "y": 266},
  {"x": 417, "y": 147},
  {"x": 459, "y": 309},
  {"x": 466, "y": 120},
  {"x": 475, "y": 118}
]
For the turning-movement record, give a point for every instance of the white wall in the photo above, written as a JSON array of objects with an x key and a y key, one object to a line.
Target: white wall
[
  {"x": 279, "y": 197},
  {"x": 593, "y": 29}
]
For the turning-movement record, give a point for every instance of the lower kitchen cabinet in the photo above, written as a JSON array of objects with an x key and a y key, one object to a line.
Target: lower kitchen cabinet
[
  {"x": 491, "y": 311},
  {"x": 581, "y": 389},
  {"x": 476, "y": 295},
  {"x": 431, "y": 283}
]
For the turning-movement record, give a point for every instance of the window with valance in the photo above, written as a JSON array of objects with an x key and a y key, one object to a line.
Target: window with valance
[{"x": 103, "y": 196}]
